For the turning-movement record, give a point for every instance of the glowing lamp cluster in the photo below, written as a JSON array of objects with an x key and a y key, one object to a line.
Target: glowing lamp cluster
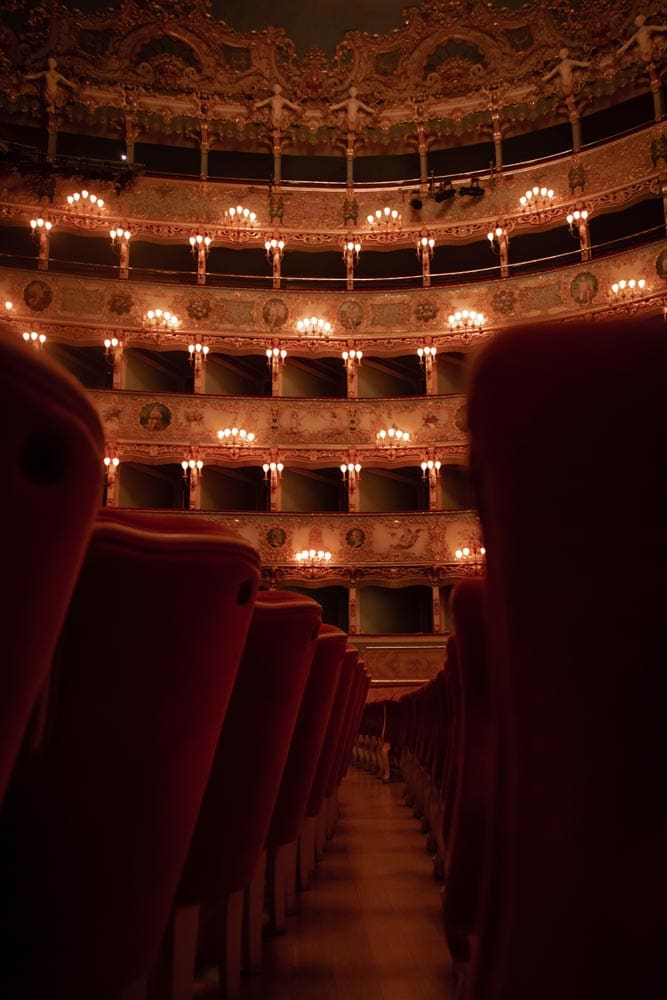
[
  {"x": 274, "y": 247},
  {"x": 36, "y": 339},
  {"x": 161, "y": 319},
  {"x": 466, "y": 319},
  {"x": 199, "y": 242},
  {"x": 192, "y": 467},
  {"x": 384, "y": 220},
  {"x": 314, "y": 325},
  {"x": 111, "y": 464},
  {"x": 431, "y": 467},
  {"x": 352, "y": 357},
  {"x": 425, "y": 246},
  {"x": 426, "y": 354},
  {"x": 391, "y": 436},
  {"x": 576, "y": 217},
  {"x": 198, "y": 353},
  {"x": 120, "y": 234},
  {"x": 85, "y": 200},
  {"x": 41, "y": 225},
  {"x": 313, "y": 557},
  {"x": 624, "y": 289},
  {"x": 351, "y": 250},
  {"x": 537, "y": 197},
  {"x": 241, "y": 216},
  {"x": 470, "y": 554},
  {"x": 236, "y": 436},
  {"x": 111, "y": 344}
]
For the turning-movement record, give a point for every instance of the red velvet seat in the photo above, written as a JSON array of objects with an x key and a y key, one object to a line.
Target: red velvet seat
[
  {"x": 474, "y": 786},
  {"x": 568, "y": 437},
  {"x": 348, "y": 737},
  {"x": 52, "y": 449},
  {"x": 314, "y": 807},
  {"x": 102, "y": 818},
  {"x": 305, "y": 748},
  {"x": 242, "y": 787}
]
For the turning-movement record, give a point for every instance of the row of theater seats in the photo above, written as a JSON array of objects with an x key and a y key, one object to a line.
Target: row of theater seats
[
  {"x": 169, "y": 734},
  {"x": 536, "y": 759}
]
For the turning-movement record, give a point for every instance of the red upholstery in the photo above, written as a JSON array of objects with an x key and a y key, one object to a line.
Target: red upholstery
[
  {"x": 253, "y": 746},
  {"x": 333, "y": 732},
  {"x": 52, "y": 449},
  {"x": 474, "y": 787},
  {"x": 568, "y": 437},
  {"x": 308, "y": 738},
  {"x": 104, "y": 815}
]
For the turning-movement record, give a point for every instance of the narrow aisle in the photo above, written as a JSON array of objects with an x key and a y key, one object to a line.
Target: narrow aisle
[{"x": 369, "y": 928}]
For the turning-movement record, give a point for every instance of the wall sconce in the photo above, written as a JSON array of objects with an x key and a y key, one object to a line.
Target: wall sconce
[
  {"x": 431, "y": 468},
  {"x": 537, "y": 199},
  {"x": 426, "y": 357},
  {"x": 113, "y": 347},
  {"x": 36, "y": 339},
  {"x": 472, "y": 190},
  {"x": 9, "y": 305},
  {"x": 351, "y": 251},
  {"x": 466, "y": 319},
  {"x": 273, "y": 473},
  {"x": 275, "y": 357},
  {"x": 160, "y": 319},
  {"x": 111, "y": 463},
  {"x": 241, "y": 221},
  {"x": 192, "y": 469},
  {"x": 200, "y": 244},
  {"x": 197, "y": 354},
  {"x": 352, "y": 359},
  {"x": 85, "y": 201},
  {"x": 40, "y": 226},
  {"x": 120, "y": 237},
  {"x": 496, "y": 238},
  {"x": 314, "y": 326},
  {"x": 274, "y": 249},
  {"x": 575, "y": 219},
  {"x": 425, "y": 247},
  {"x": 578, "y": 225},
  {"x": 351, "y": 472}
]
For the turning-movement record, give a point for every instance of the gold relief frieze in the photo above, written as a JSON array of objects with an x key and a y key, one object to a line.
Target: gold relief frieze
[
  {"x": 311, "y": 430},
  {"x": 395, "y": 545}
]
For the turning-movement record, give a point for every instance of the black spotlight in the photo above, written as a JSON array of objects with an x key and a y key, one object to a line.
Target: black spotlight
[
  {"x": 445, "y": 191},
  {"x": 472, "y": 190},
  {"x": 416, "y": 202}
]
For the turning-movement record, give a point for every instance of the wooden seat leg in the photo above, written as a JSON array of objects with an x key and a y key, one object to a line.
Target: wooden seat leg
[
  {"x": 229, "y": 935},
  {"x": 253, "y": 914}
]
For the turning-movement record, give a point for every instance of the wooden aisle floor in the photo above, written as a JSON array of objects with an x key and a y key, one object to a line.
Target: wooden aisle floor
[{"x": 369, "y": 928}]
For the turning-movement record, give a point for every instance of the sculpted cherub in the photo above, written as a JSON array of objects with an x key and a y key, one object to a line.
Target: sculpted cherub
[
  {"x": 643, "y": 38},
  {"x": 277, "y": 103},
  {"x": 52, "y": 81},
  {"x": 566, "y": 69},
  {"x": 352, "y": 105}
]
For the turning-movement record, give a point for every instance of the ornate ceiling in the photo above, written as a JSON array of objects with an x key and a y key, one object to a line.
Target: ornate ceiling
[{"x": 449, "y": 66}]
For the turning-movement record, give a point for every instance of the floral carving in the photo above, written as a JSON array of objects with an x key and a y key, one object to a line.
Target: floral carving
[
  {"x": 426, "y": 311},
  {"x": 198, "y": 309},
  {"x": 120, "y": 303},
  {"x": 503, "y": 301}
]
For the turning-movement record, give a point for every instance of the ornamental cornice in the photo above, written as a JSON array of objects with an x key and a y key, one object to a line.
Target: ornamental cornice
[{"x": 452, "y": 63}]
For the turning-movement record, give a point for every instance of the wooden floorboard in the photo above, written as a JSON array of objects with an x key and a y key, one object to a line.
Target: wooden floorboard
[{"x": 369, "y": 928}]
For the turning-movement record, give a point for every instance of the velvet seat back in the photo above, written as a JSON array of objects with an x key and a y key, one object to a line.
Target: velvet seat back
[
  {"x": 351, "y": 729},
  {"x": 568, "y": 437},
  {"x": 474, "y": 786},
  {"x": 332, "y": 735},
  {"x": 52, "y": 448},
  {"x": 102, "y": 819},
  {"x": 253, "y": 746},
  {"x": 308, "y": 737}
]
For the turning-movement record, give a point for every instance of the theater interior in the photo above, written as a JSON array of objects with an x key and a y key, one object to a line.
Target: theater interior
[{"x": 333, "y": 407}]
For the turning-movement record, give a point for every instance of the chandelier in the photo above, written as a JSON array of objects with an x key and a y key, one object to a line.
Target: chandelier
[
  {"x": 391, "y": 436},
  {"x": 313, "y": 557},
  {"x": 235, "y": 436},
  {"x": 314, "y": 325},
  {"x": 85, "y": 201},
  {"x": 161, "y": 319},
  {"x": 385, "y": 221},
  {"x": 471, "y": 554},
  {"x": 627, "y": 290},
  {"x": 466, "y": 319},
  {"x": 241, "y": 219},
  {"x": 537, "y": 199}
]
